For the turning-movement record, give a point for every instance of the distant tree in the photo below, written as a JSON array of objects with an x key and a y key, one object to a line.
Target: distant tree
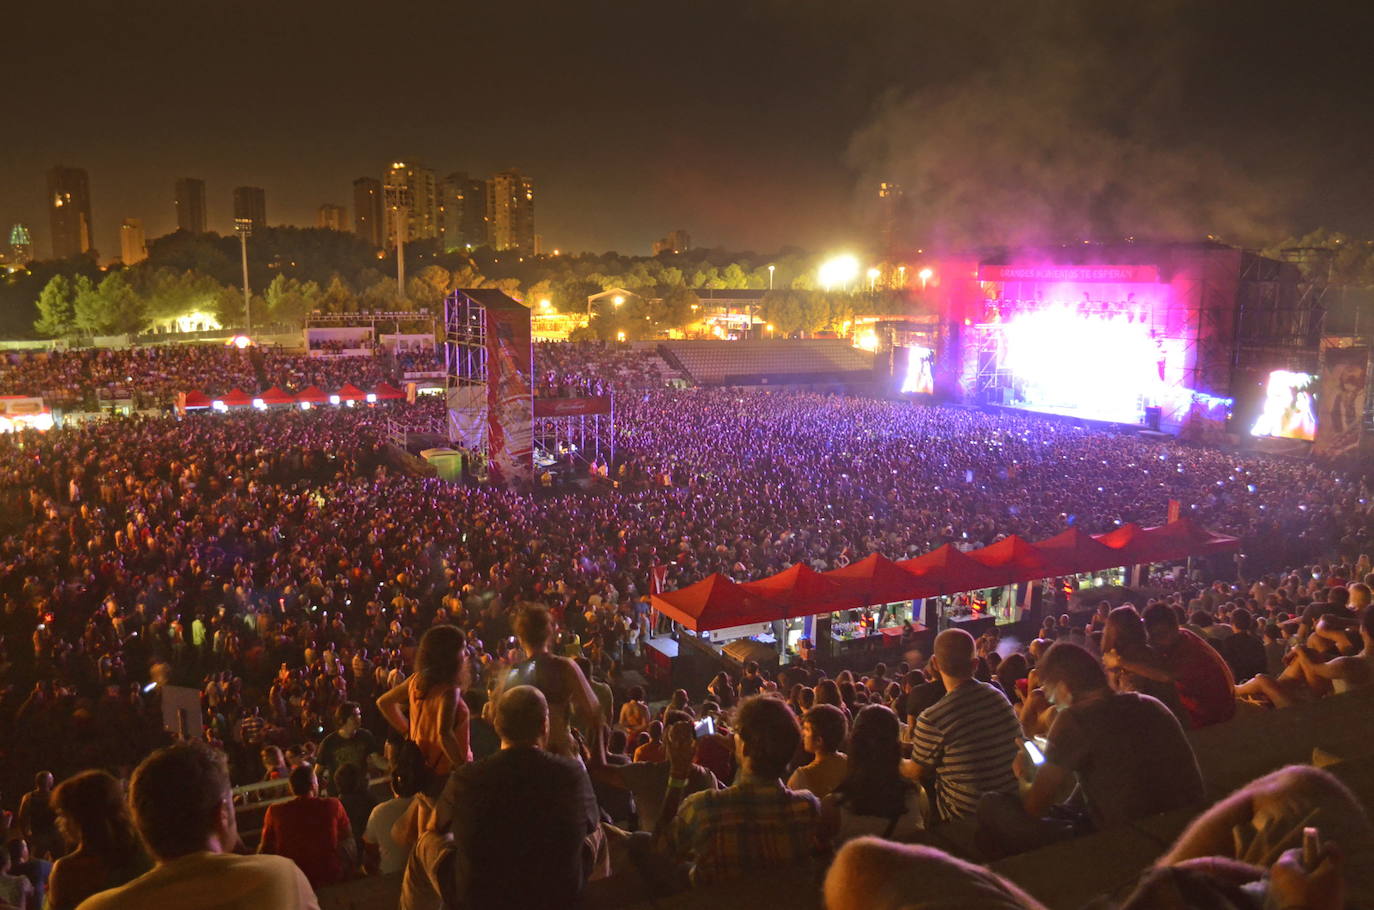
[
  {"x": 56, "y": 313},
  {"x": 124, "y": 310},
  {"x": 677, "y": 308},
  {"x": 88, "y": 307},
  {"x": 338, "y": 298},
  {"x": 380, "y": 295},
  {"x": 290, "y": 300}
]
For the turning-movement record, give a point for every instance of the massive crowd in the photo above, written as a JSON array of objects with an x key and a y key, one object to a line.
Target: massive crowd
[
  {"x": 284, "y": 564},
  {"x": 152, "y": 375}
]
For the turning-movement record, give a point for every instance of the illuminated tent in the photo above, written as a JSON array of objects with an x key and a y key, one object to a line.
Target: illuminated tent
[
  {"x": 875, "y": 579},
  {"x": 715, "y": 602},
  {"x": 800, "y": 591},
  {"x": 276, "y": 395},
  {"x": 387, "y": 392},
  {"x": 1074, "y": 551},
  {"x": 312, "y": 395},
  {"x": 1014, "y": 558},
  {"x": 350, "y": 392},
  {"x": 949, "y": 571},
  {"x": 237, "y": 398},
  {"x": 193, "y": 400}
]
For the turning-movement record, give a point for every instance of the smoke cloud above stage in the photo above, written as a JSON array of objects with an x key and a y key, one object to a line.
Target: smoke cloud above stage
[{"x": 1073, "y": 122}]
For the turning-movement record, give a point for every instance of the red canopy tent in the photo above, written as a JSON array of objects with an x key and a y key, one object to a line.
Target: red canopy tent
[
  {"x": 276, "y": 395},
  {"x": 312, "y": 395},
  {"x": 1074, "y": 551},
  {"x": 715, "y": 602},
  {"x": 802, "y": 591},
  {"x": 196, "y": 400},
  {"x": 387, "y": 392},
  {"x": 237, "y": 398},
  {"x": 875, "y": 579},
  {"x": 948, "y": 571},
  {"x": 350, "y": 392},
  {"x": 1015, "y": 558},
  {"x": 1135, "y": 545},
  {"x": 1185, "y": 537}
]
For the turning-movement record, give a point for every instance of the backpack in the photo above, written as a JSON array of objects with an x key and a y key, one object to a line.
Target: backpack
[{"x": 411, "y": 773}]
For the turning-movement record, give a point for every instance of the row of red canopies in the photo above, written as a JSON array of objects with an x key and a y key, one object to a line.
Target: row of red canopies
[
  {"x": 716, "y": 602},
  {"x": 277, "y": 396}
]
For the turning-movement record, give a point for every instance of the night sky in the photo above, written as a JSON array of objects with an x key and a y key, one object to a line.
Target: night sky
[{"x": 753, "y": 124}]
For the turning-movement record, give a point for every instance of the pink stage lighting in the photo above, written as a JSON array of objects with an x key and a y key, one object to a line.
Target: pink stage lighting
[{"x": 1101, "y": 367}]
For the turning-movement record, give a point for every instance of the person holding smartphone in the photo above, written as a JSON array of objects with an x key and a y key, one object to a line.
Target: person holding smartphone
[{"x": 1126, "y": 751}]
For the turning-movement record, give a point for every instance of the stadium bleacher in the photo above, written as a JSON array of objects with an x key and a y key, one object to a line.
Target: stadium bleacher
[{"x": 770, "y": 361}]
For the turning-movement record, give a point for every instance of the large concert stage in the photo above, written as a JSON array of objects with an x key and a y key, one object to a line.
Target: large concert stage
[{"x": 1179, "y": 337}]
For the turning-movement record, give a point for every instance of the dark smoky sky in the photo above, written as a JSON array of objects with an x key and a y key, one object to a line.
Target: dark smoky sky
[{"x": 751, "y": 123}]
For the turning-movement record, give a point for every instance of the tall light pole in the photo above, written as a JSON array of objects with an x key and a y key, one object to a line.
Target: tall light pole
[
  {"x": 244, "y": 227},
  {"x": 770, "y": 276},
  {"x": 398, "y": 199}
]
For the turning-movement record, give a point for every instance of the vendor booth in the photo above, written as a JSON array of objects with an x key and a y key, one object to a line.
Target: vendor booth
[{"x": 877, "y": 604}]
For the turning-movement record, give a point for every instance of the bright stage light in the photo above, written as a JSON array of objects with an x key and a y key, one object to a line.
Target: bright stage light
[
  {"x": 1288, "y": 411},
  {"x": 838, "y": 271},
  {"x": 1100, "y": 368}
]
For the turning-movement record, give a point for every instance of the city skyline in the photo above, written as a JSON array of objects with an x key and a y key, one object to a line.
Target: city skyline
[{"x": 752, "y": 124}]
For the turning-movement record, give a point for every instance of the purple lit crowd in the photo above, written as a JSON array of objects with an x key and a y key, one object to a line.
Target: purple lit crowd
[{"x": 287, "y": 564}]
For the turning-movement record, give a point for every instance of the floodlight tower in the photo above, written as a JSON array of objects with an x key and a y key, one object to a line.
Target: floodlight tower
[
  {"x": 244, "y": 228},
  {"x": 398, "y": 197}
]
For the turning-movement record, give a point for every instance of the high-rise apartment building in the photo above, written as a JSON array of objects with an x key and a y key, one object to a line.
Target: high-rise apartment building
[
  {"x": 250, "y": 202},
  {"x": 678, "y": 241},
  {"x": 462, "y": 211},
  {"x": 412, "y": 185},
  {"x": 368, "y": 220},
  {"x": 69, "y": 211},
  {"x": 332, "y": 217},
  {"x": 510, "y": 212},
  {"x": 21, "y": 244},
  {"x": 133, "y": 247},
  {"x": 190, "y": 202}
]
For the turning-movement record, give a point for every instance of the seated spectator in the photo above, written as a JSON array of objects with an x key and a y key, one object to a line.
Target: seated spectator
[
  {"x": 756, "y": 824},
  {"x": 311, "y": 830},
  {"x": 382, "y": 853},
  {"x": 1343, "y": 673},
  {"x": 520, "y": 822},
  {"x": 751, "y": 683},
  {"x": 874, "y": 797},
  {"x": 1205, "y": 685},
  {"x": 1125, "y": 751},
  {"x": 1124, "y": 637},
  {"x": 93, "y": 816},
  {"x": 716, "y": 751},
  {"x": 967, "y": 740},
  {"x": 15, "y": 890},
  {"x": 823, "y": 735},
  {"x": 184, "y": 809},
  {"x": 1243, "y": 649},
  {"x": 923, "y": 689},
  {"x": 649, "y": 782},
  {"x": 34, "y": 869}
]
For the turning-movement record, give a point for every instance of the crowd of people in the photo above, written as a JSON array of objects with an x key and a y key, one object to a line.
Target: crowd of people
[
  {"x": 152, "y": 375},
  {"x": 283, "y": 565},
  {"x": 573, "y": 369}
]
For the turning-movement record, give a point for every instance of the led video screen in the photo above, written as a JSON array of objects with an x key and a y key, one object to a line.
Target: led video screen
[{"x": 1288, "y": 411}]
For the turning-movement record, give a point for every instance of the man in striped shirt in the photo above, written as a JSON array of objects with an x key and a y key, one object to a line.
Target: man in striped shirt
[{"x": 969, "y": 738}]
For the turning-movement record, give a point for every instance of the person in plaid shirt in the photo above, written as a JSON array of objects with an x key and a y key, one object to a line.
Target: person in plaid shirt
[{"x": 756, "y": 824}]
